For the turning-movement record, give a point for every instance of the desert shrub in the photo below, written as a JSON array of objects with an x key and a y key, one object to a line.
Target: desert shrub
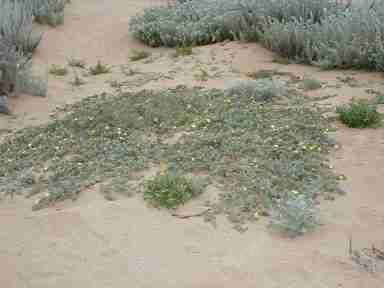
[
  {"x": 294, "y": 216},
  {"x": 16, "y": 26},
  {"x": 350, "y": 39},
  {"x": 49, "y": 12},
  {"x": 359, "y": 114},
  {"x": 27, "y": 82},
  {"x": 199, "y": 22},
  {"x": 170, "y": 190},
  {"x": 379, "y": 99}
]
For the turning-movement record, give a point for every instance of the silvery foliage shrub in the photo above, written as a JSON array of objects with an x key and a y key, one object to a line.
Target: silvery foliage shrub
[
  {"x": 260, "y": 90},
  {"x": 27, "y": 82},
  {"x": 190, "y": 22},
  {"x": 49, "y": 12},
  {"x": 206, "y": 21},
  {"x": 295, "y": 216},
  {"x": 16, "y": 25},
  {"x": 352, "y": 38}
]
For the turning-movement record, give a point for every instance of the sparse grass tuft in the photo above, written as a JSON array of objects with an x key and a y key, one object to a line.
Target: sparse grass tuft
[
  {"x": 76, "y": 62},
  {"x": 99, "y": 68},
  {"x": 58, "y": 70},
  {"x": 170, "y": 190},
  {"x": 359, "y": 114},
  {"x": 137, "y": 55}
]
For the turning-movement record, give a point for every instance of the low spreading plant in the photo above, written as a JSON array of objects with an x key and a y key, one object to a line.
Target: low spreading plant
[
  {"x": 359, "y": 114},
  {"x": 259, "y": 149}
]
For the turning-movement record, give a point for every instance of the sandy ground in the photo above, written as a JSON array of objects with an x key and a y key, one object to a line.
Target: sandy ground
[{"x": 95, "y": 243}]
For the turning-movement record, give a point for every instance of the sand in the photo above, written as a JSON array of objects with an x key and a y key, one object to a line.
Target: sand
[{"x": 96, "y": 243}]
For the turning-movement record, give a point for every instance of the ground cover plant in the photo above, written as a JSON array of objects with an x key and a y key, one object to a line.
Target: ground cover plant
[{"x": 265, "y": 150}]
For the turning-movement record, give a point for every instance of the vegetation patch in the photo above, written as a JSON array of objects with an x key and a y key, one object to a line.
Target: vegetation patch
[
  {"x": 27, "y": 82},
  {"x": 99, "y": 68},
  {"x": 295, "y": 215},
  {"x": 170, "y": 190},
  {"x": 137, "y": 55},
  {"x": 58, "y": 70},
  {"x": 379, "y": 99},
  {"x": 261, "y": 148},
  {"x": 183, "y": 50},
  {"x": 359, "y": 114},
  {"x": 50, "y": 12},
  {"x": 77, "y": 62},
  {"x": 325, "y": 33}
]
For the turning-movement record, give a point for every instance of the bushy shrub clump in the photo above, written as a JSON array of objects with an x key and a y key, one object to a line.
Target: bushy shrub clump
[
  {"x": 295, "y": 216},
  {"x": 18, "y": 40},
  {"x": 207, "y": 21},
  {"x": 350, "y": 39},
  {"x": 49, "y": 12},
  {"x": 321, "y": 32},
  {"x": 16, "y": 26},
  {"x": 359, "y": 114},
  {"x": 170, "y": 190}
]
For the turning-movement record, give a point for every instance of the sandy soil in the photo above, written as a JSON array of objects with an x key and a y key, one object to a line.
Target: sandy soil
[{"x": 95, "y": 243}]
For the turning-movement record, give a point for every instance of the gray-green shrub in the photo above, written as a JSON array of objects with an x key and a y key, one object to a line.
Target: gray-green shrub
[
  {"x": 16, "y": 25},
  {"x": 206, "y": 21},
  {"x": 295, "y": 216},
  {"x": 49, "y": 12},
  {"x": 350, "y": 39}
]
